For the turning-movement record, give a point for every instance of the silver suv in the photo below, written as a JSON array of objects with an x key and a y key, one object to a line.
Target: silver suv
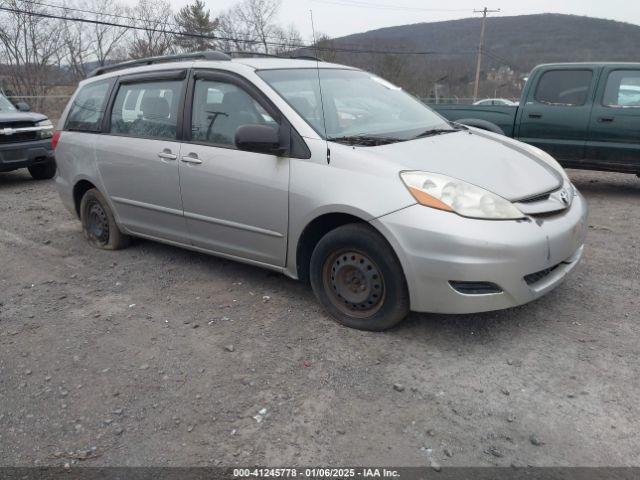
[{"x": 323, "y": 172}]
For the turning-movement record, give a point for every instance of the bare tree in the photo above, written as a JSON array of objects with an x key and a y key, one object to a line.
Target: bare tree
[
  {"x": 286, "y": 40},
  {"x": 157, "y": 39},
  {"x": 29, "y": 45},
  {"x": 108, "y": 42},
  {"x": 326, "y": 48},
  {"x": 251, "y": 26},
  {"x": 76, "y": 43}
]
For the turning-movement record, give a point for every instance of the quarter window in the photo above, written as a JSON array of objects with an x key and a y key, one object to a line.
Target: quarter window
[
  {"x": 87, "y": 109},
  {"x": 148, "y": 110},
  {"x": 623, "y": 89},
  {"x": 219, "y": 108},
  {"x": 564, "y": 87}
]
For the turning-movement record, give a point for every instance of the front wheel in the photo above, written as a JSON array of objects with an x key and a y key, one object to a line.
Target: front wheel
[
  {"x": 358, "y": 279},
  {"x": 99, "y": 224},
  {"x": 43, "y": 171}
]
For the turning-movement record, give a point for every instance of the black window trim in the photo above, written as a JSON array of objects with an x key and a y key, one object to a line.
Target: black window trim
[
  {"x": 154, "y": 76},
  {"x": 589, "y": 87},
  {"x": 100, "y": 125},
  {"x": 606, "y": 83},
  {"x": 288, "y": 135}
]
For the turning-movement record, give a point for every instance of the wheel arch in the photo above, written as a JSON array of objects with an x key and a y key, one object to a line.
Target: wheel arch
[
  {"x": 81, "y": 187},
  {"x": 319, "y": 227}
]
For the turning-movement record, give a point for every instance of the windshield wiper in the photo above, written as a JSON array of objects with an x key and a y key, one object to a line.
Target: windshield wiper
[
  {"x": 436, "y": 131},
  {"x": 364, "y": 140}
]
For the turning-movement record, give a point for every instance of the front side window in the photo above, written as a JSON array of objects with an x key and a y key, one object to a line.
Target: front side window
[
  {"x": 88, "y": 107},
  {"x": 219, "y": 108},
  {"x": 147, "y": 109},
  {"x": 6, "y": 105},
  {"x": 564, "y": 87},
  {"x": 352, "y": 103},
  {"x": 623, "y": 89}
]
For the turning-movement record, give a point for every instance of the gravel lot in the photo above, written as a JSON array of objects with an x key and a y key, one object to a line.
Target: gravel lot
[{"x": 159, "y": 356}]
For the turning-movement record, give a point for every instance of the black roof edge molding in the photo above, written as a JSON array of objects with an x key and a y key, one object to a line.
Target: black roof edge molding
[
  {"x": 210, "y": 55},
  {"x": 249, "y": 54}
]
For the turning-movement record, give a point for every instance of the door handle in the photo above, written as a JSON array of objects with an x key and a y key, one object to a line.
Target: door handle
[
  {"x": 535, "y": 115},
  {"x": 191, "y": 158},
  {"x": 167, "y": 155},
  {"x": 606, "y": 119}
]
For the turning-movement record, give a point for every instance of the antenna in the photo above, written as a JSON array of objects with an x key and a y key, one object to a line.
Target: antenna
[{"x": 324, "y": 121}]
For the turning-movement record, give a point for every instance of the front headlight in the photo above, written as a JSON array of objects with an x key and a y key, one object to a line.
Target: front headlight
[
  {"x": 46, "y": 132},
  {"x": 450, "y": 194}
]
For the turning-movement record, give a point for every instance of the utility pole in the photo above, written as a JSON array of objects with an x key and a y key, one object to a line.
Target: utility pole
[{"x": 484, "y": 13}]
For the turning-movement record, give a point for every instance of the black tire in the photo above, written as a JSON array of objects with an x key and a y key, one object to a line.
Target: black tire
[
  {"x": 98, "y": 223},
  {"x": 43, "y": 171},
  {"x": 358, "y": 279}
]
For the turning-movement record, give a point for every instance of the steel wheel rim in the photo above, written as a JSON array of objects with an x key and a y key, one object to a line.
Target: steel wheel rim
[
  {"x": 97, "y": 223},
  {"x": 354, "y": 283}
]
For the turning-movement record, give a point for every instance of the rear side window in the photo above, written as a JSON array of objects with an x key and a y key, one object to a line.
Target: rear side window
[
  {"x": 564, "y": 87},
  {"x": 88, "y": 107},
  {"x": 148, "y": 110},
  {"x": 623, "y": 89}
]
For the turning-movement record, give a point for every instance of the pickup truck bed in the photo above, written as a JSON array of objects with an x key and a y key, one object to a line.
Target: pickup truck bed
[
  {"x": 587, "y": 115},
  {"x": 499, "y": 115}
]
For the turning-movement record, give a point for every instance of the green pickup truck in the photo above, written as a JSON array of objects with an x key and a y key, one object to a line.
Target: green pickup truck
[{"x": 587, "y": 115}]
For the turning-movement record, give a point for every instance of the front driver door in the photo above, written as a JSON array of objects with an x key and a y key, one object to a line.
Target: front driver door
[
  {"x": 556, "y": 118},
  {"x": 235, "y": 202}
]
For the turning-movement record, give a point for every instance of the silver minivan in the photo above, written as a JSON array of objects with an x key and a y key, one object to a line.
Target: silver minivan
[{"x": 323, "y": 172}]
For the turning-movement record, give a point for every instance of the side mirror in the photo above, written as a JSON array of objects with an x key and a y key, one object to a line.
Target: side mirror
[
  {"x": 259, "y": 138},
  {"x": 23, "y": 107}
]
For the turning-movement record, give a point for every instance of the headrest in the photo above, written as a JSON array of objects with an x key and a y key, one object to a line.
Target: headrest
[{"x": 155, "y": 108}]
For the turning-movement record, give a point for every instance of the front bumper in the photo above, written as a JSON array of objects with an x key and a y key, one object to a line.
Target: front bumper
[
  {"x": 436, "y": 247},
  {"x": 25, "y": 154}
]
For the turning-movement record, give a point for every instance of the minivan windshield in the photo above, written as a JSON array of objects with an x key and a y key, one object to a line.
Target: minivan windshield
[
  {"x": 6, "y": 105},
  {"x": 359, "y": 107}
]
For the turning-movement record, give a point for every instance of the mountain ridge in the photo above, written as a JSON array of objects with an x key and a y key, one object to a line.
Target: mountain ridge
[{"x": 516, "y": 43}]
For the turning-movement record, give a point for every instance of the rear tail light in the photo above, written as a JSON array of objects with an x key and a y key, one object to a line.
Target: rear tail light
[{"x": 54, "y": 139}]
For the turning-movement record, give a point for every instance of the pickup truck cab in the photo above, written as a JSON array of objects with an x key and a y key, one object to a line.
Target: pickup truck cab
[
  {"x": 25, "y": 140},
  {"x": 586, "y": 115}
]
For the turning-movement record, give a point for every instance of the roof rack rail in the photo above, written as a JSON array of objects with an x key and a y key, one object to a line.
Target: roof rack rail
[
  {"x": 307, "y": 57},
  {"x": 209, "y": 55},
  {"x": 244, "y": 53}
]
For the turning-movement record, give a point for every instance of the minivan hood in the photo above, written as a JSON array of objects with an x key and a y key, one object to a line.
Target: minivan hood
[{"x": 498, "y": 164}]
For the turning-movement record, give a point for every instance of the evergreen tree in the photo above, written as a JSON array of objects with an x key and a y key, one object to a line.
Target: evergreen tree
[{"x": 195, "y": 19}]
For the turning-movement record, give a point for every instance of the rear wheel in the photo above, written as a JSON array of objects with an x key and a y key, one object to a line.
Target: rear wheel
[
  {"x": 44, "y": 171},
  {"x": 98, "y": 223},
  {"x": 358, "y": 279}
]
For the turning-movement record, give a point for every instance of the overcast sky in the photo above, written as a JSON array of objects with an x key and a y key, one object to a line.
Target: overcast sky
[{"x": 341, "y": 17}]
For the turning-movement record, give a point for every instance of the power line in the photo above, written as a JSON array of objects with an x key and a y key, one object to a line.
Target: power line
[
  {"x": 148, "y": 29},
  {"x": 114, "y": 15},
  {"x": 381, "y": 6},
  {"x": 497, "y": 57},
  {"x": 228, "y": 39},
  {"x": 355, "y": 49}
]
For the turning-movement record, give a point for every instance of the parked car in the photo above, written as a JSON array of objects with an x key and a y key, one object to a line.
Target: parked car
[
  {"x": 383, "y": 207},
  {"x": 25, "y": 140},
  {"x": 496, "y": 101},
  {"x": 587, "y": 115}
]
